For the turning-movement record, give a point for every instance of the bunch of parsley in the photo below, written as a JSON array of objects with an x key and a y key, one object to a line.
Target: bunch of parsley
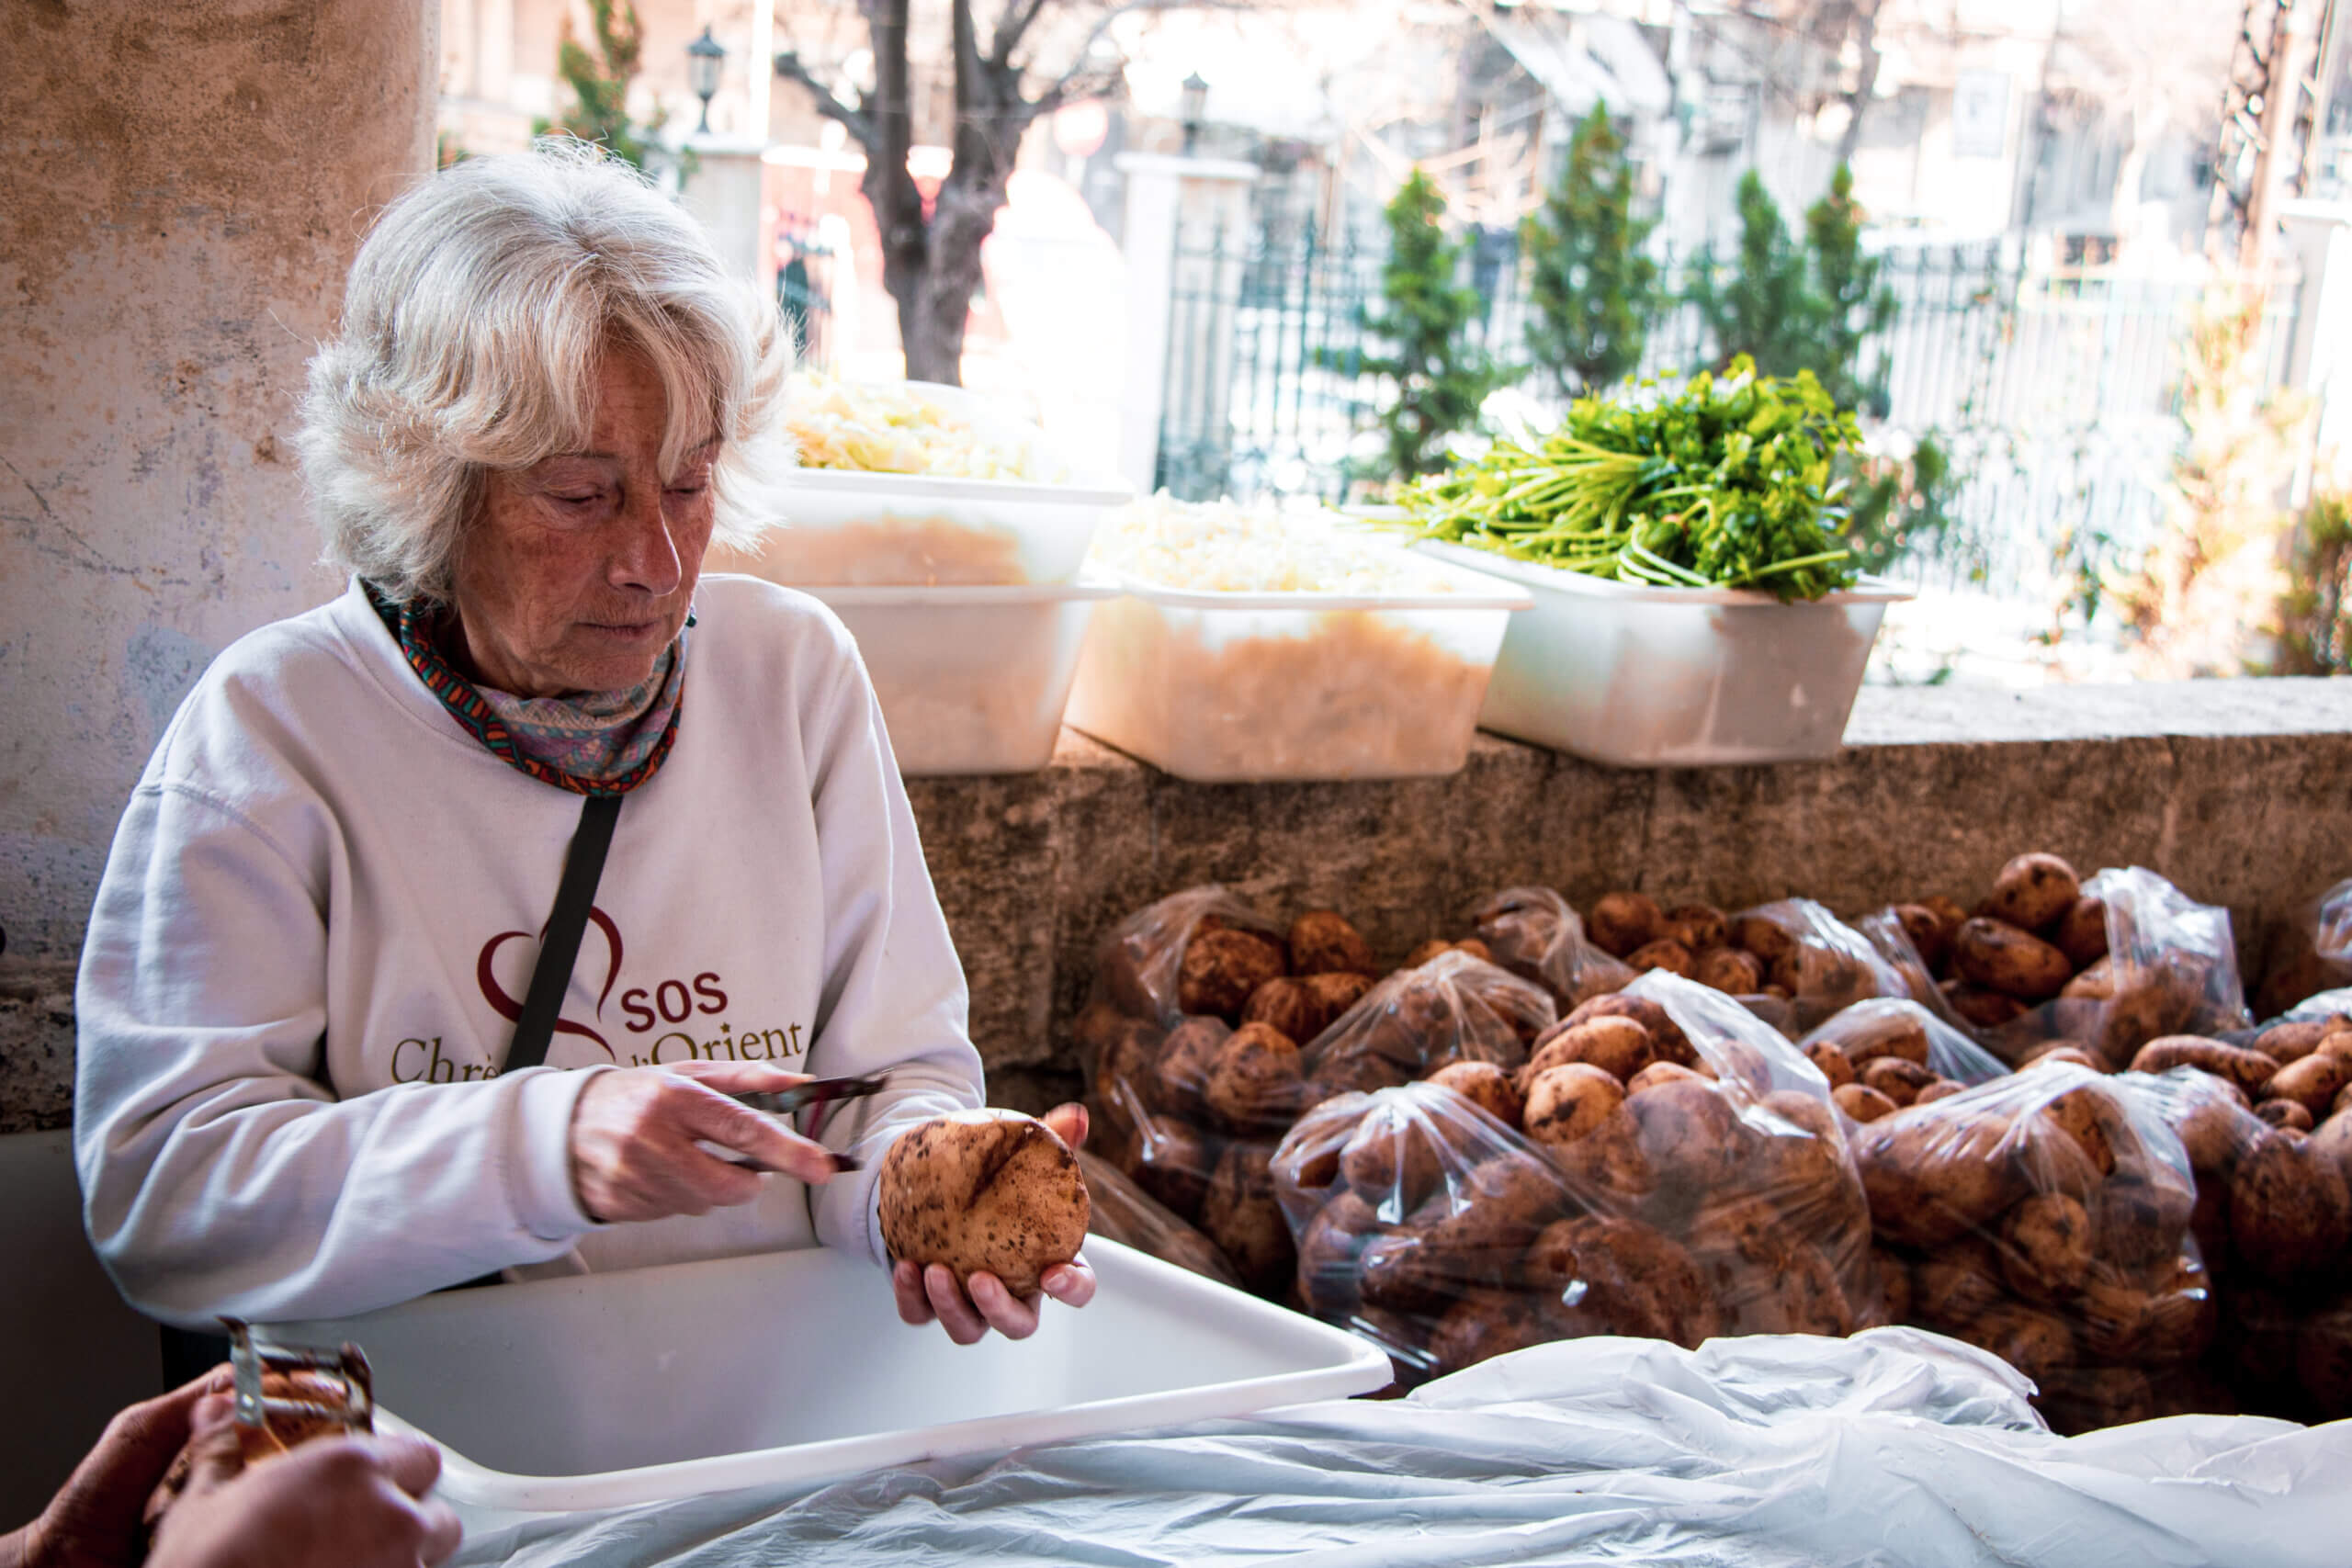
[{"x": 1724, "y": 482}]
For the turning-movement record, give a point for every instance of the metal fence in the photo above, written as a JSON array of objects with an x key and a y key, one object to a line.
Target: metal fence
[{"x": 2054, "y": 389}]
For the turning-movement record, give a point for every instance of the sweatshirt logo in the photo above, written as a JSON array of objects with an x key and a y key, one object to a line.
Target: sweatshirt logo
[{"x": 509, "y": 1008}]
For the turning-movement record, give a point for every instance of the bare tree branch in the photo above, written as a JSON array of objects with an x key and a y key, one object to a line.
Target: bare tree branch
[
  {"x": 1019, "y": 16},
  {"x": 859, "y": 124}
]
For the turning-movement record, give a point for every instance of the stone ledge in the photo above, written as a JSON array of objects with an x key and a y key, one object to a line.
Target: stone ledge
[{"x": 2241, "y": 791}]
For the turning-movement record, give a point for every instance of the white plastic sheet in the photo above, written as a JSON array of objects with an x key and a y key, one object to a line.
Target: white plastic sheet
[{"x": 1895, "y": 1447}]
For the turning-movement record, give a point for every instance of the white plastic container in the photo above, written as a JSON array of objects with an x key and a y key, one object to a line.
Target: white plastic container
[
  {"x": 846, "y": 527},
  {"x": 1647, "y": 677},
  {"x": 859, "y": 529},
  {"x": 1230, "y": 687},
  {"x": 612, "y": 1389},
  {"x": 971, "y": 680}
]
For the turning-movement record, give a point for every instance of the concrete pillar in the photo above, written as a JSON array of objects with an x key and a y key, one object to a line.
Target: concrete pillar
[
  {"x": 1165, "y": 193},
  {"x": 723, "y": 194},
  {"x": 185, "y": 185}
]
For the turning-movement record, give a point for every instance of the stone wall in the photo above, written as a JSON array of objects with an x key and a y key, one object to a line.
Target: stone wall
[{"x": 2239, "y": 791}]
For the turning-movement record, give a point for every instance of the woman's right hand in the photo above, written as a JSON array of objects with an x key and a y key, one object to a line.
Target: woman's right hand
[{"x": 635, "y": 1133}]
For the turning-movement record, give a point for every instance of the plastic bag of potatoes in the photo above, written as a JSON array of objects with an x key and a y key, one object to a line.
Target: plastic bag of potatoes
[
  {"x": 1818, "y": 963},
  {"x": 1454, "y": 1008},
  {"x": 2046, "y": 1217},
  {"x": 2316, "y": 955},
  {"x": 1192, "y": 1049},
  {"x": 1534, "y": 933},
  {"x": 2105, "y": 965},
  {"x": 1885, "y": 1053},
  {"x": 1664, "y": 1164}
]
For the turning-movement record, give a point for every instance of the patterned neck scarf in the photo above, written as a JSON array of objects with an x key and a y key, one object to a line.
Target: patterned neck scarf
[{"x": 592, "y": 743}]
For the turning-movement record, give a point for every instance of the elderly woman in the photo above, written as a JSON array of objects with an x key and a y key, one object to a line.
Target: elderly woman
[{"x": 332, "y": 934}]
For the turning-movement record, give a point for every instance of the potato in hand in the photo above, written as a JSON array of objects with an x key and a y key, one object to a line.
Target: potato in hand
[{"x": 989, "y": 1192}]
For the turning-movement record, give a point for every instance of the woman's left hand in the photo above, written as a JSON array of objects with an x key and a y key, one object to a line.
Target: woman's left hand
[{"x": 969, "y": 1309}]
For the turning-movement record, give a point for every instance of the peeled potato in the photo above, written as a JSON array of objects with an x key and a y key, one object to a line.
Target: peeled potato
[{"x": 984, "y": 1192}]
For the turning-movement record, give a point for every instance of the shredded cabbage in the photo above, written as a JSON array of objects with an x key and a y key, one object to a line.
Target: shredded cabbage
[
  {"x": 891, "y": 429},
  {"x": 1221, "y": 547}
]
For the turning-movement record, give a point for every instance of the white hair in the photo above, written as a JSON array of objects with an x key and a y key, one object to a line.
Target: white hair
[{"x": 476, "y": 314}]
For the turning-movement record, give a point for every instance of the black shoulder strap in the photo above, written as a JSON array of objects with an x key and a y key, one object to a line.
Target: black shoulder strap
[{"x": 583, "y": 864}]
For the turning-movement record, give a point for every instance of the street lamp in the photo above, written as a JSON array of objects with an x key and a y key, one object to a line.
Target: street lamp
[
  {"x": 704, "y": 57},
  {"x": 1196, "y": 103}
]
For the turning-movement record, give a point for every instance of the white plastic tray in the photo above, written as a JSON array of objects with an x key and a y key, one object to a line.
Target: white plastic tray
[
  {"x": 1232, "y": 687},
  {"x": 607, "y": 1390},
  {"x": 1675, "y": 677},
  {"x": 971, "y": 680}
]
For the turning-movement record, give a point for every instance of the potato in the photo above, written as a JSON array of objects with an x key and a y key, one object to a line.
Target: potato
[
  {"x": 1221, "y": 968},
  {"x": 1335, "y": 994},
  {"x": 1329, "y": 1251},
  {"x": 1392, "y": 1162},
  {"x": 2285, "y": 1042},
  {"x": 1620, "y": 923},
  {"x": 2336, "y": 1041},
  {"x": 2089, "y": 1117},
  {"x": 1931, "y": 1178},
  {"x": 1799, "y": 1293},
  {"x": 1173, "y": 1163},
  {"x": 1287, "y": 1007},
  {"x": 2081, "y": 932},
  {"x": 1728, "y": 970},
  {"x": 1402, "y": 1273},
  {"x": 1892, "y": 1034},
  {"x": 1241, "y": 1216},
  {"x": 1568, "y": 1101},
  {"x": 2004, "y": 958},
  {"x": 1322, "y": 942},
  {"x": 2312, "y": 1083},
  {"x": 1690, "y": 1137},
  {"x": 1766, "y": 939},
  {"x": 1895, "y": 1284},
  {"x": 1486, "y": 1086},
  {"x": 1123, "y": 1073},
  {"x": 1696, "y": 926},
  {"x": 2036, "y": 1343},
  {"x": 1985, "y": 1009},
  {"x": 1899, "y": 1081},
  {"x": 1642, "y": 1283},
  {"x": 1254, "y": 1082},
  {"x": 1475, "y": 949},
  {"x": 1862, "y": 1103},
  {"x": 2248, "y": 1070},
  {"x": 2290, "y": 1210},
  {"x": 2094, "y": 984},
  {"x": 1929, "y": 936},
  {"x": 984, "y": 1192},
  {"x": 1354, "y": 1072},
  {"x": 2055, "y": 1054},
  {"x": 2211, "y": 1127},
  {"x": 1484, "y": 1225},
  {"x": 1179, "y": 1079},
  {"x": 1833, "y": 1062},
  {"x": 1097, "y": 1026},
  {"x": 1666, "y": 1036},
  {"x": 2333, "y": 1141},
  {"x": 2033, "y": 891},
  {"x": 1658, "y": 1073},
  {"x": 1942, "y": 1089},
  {"x": 2048, "y": 1243},
  {"x": 2119, "y": 1319},
  {"x": 2285, "y": 1115},
  {"x": 1956, "y": 1285},
  {"x": 1664, "y": 953},
  {"x": 1487, "y": 1323},
  {"x": 1618, "y": 1046},
  {"x": 1427, "y": 951}
]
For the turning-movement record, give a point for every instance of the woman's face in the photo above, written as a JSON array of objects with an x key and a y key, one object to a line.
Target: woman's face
[{"x": 580, "y": 569}]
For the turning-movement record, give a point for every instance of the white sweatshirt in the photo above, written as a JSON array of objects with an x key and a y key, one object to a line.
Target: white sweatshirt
[{"x": 319, "y": 917}]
